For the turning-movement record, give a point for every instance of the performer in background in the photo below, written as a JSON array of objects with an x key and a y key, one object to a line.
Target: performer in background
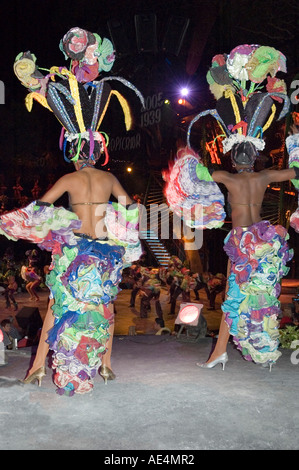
[
  {"x": 93, "y": 243},
  {"x": 257, "y": 251},
  {"x": 10, "y": 283}
]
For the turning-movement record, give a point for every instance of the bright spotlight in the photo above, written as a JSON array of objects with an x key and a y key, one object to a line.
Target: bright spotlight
[
  {"x": 193, "y": 325},
  {"x": 184, "y": 91},
  {"x": 189, "y": 314},
  {"x": 129, "y": 169}
]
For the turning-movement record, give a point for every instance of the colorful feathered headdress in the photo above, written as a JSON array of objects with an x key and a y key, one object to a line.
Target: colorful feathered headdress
[
  {"x": 248, "y": 92},
  {"x": 78, "y": 101}
]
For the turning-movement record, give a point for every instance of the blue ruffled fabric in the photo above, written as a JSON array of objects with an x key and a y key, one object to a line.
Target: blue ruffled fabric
[{"x": 258, "y": 256}]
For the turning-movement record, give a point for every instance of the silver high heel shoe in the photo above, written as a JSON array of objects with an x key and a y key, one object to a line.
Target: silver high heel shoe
[
  {"x": 219, "y": 360},
  {"x": 268, "y": 365}
]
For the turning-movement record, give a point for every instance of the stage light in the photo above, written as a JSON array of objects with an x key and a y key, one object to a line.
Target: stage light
[
  {"x": 188, "y": 314},
  {"x": 129, "y": 169},
  {"x": 166, "y": 101},
  {"x": 184, "y": 91},
  {"x": 181, "y": 101},
  {"x": 193, "y": 324}
]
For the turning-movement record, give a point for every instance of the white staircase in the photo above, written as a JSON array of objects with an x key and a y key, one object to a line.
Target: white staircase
[{"x": 156, "y": 247}]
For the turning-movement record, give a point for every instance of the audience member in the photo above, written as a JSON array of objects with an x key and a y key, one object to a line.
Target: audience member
[{"x": 10, "y": 333}]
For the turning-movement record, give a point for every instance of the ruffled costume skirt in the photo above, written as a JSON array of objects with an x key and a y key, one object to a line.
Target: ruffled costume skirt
[
  {"x": 83, "y": 280},
  {"x": 191, "y": 192},
  {"x": 258, "y": 255},
  {"x": 292, "y": 145}
]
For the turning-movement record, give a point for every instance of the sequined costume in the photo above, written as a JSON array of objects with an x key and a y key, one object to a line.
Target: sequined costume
[{"x": 84, "y": 278}]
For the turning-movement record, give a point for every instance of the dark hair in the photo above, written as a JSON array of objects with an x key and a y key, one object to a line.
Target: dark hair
[
  {"x": 84, "y": 151},
  {"x": 4, "y": 323},
  {"x": 160, "y": 322},
  {"x": 244, "y": 153}
]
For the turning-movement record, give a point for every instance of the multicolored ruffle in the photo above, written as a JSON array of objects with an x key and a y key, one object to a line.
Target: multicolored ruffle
[
  {"x": 292, "y": 144},
  {"x": 84, "y": 279},
  {"x": 191, "y": 192},
  {"x": 122, "y": 228},
  {"x": 258, "y": 256},
  {"x": 294, "y": 219},
  {"x": 40, "y": 223}
]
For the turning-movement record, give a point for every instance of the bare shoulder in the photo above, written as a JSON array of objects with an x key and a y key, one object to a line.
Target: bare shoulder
[
  {"x": 221, "y": 176},
  {"x": 65, "y": 180},
  {"x": 105, "y": 175}
]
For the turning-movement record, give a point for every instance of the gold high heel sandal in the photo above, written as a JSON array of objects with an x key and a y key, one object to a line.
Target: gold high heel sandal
[
  {"x": 107, "y": 374},
  {"x": 37, "y": 375}
]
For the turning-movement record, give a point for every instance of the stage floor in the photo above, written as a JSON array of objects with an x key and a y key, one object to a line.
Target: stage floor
[{"x": 159, "y": 401}]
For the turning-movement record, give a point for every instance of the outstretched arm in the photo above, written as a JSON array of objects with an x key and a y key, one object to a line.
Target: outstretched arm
[
  {"x": 271, "y": 176},
  {"x": 277, "y": 176},
  {"x": 57, "y": 190}
]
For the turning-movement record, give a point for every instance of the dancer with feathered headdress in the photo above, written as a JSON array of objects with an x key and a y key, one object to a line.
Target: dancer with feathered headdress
[
  {"x": 90, "y": 245},
  {"x": 248, "y": 95}
]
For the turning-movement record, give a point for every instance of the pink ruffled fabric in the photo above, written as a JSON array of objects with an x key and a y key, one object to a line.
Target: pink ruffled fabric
[{"x": 294, "y": 220}]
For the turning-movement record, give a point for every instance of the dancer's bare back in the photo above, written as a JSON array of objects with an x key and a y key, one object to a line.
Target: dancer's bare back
[
  {"x": 89, "y": 191},
  {"x": 246, "y": 192}
]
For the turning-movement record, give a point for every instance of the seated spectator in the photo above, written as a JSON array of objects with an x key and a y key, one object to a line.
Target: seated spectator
[{"x": 10, "y": 333}]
